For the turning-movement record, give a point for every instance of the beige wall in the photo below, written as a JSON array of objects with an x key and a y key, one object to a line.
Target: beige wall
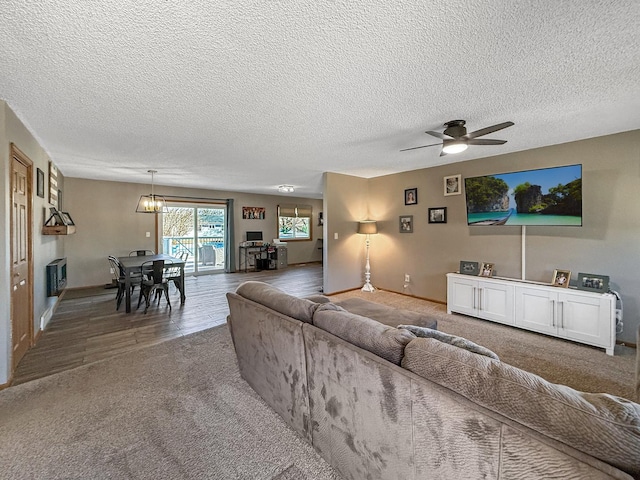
[
  {"x": 344, "y": 206},
  {"x": 45, "y": 248},
  {"x": 107, "y": 224},
  {"x": 608, "y": 243}
]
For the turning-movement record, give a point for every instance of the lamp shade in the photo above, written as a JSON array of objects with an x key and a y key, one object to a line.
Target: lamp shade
[
  {"x": 151, "y": 204},
  {"x": 367, "y": 227}
]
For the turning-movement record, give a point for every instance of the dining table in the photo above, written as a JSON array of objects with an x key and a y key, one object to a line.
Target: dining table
[{"x": 134, "y": 263}]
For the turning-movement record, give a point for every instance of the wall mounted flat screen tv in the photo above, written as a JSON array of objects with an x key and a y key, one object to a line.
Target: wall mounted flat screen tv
[{"x": 547, "y": 196}]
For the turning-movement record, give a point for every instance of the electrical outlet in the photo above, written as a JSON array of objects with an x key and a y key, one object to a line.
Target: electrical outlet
[{"x": 407, "y": 278}]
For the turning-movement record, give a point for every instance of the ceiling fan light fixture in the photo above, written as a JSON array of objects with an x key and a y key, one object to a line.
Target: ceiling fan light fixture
[
  {"x": 286, "y": 189},
  {"x": 454, "y": 147}
]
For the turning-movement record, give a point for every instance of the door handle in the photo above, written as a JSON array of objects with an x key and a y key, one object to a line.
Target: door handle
[
  {"x": 553, "y": 313},
  {"x": 480, "y": 299}
]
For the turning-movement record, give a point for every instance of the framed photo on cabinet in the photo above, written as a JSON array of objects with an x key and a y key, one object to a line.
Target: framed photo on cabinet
[
  {"x": 561, "y": 278},
  {"x": 593, "y": 283}
]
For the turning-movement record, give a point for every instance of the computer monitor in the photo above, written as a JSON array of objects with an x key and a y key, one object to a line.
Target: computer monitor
[{"x": 254, "y": 236}]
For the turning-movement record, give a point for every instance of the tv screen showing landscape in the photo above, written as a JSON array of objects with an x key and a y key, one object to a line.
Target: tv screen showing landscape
[{"x": 547, "y": 196}]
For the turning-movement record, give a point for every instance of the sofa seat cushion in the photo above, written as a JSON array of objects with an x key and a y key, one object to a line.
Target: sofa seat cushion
[
  {"x": 454, "y": 340},
  {"x": 385, "y": 341},
  {"x": 274, "y": 298},
  {"x": 388, "y": 315},
  {"x": 601, "y": 425}
]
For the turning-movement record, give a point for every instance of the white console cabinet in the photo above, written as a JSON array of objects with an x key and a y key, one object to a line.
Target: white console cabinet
[
  {"x": 480, "y": 298},
  {"x": 577, "y": 315}
]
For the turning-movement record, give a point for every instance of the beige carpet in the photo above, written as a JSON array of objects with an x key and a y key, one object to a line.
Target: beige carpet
[
  {"x": 579, "y": 366},
  {"x": 178, "y": 410}
]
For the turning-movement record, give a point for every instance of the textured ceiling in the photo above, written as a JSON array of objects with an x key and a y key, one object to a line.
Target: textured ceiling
[{"x": 245, "y": 96}]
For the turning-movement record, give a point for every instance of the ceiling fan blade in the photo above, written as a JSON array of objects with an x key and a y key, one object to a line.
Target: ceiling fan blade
[
  {"x": 485, "y": 141},
  {"x": 439, "y": 135},
  {"x": 423, "y": 146},
  {"x": 485, "y": 131}
]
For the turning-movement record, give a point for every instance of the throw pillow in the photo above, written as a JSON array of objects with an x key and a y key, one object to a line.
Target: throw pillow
[{"x": 459, "y": 342}]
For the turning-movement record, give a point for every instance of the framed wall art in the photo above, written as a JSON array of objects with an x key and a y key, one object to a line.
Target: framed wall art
[
  {"x": 438, "y": 215},
  {"x": 406, "y": 223},
  {"x": 253, "y": 213},
  {"x": 40, "y": 183},
  {"x": 53, "y": 185},
  {"x": 452, "y": 185},
  {"x": 411, "y": 196},
  {"x": 593, "y": 282}
]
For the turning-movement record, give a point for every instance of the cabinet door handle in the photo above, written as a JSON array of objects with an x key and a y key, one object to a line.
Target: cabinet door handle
[
  {"x": 480, "y": 299},
  {"x": 553, "y": 313},
  {"x": 474, "y": 297},
  {"x": 561, "y": 303}
]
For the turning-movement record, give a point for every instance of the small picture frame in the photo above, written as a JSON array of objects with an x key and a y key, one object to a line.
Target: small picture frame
[
  {"x": 486, "y": 270},
  {"x": 561, "y": 278},
  {"x": 406, "y": 223},
  {"x": 411, "y": 196},
  {"x": 54, "y": 218},
  {"x": 592, "y": 282},
  {"x": 469, "y": 268},
  {"x": 437, "y": 215},
  {"x": 452, "y": 185},
  {"x": 40, "y": 183},
  {"x": 66, "y": 218}
]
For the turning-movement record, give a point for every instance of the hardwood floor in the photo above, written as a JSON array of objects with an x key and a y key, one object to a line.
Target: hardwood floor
[{"x": 86, "y": 326}]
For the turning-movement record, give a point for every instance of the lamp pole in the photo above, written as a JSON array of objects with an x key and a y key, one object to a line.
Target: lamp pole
[
  {"x": 367, "y": 287},
  {"x": 367, "y": 227}
]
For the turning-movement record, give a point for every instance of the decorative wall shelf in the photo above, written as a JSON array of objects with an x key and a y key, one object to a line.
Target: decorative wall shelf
[{"x": 59, "y": 230}]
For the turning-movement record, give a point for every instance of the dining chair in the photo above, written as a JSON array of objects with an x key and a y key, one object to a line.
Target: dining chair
[
  {"x": 119, "y": 278},
  {"x": 153, "y": 280},
  {"x": 172, "y": 273},
  {"x": 141, "y": 253}
]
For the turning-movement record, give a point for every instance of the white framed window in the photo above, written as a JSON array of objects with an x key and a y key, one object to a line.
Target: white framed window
[{"x": 294, "y": 222}]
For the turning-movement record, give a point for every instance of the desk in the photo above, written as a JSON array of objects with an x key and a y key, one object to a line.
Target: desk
[{"x": 133, "y": 264}]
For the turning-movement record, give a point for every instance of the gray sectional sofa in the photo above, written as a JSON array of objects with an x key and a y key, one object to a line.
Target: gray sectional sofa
[{"x": 379, "y": 402}]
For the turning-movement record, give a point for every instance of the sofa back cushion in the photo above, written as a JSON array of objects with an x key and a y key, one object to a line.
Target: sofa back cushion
[
  {"x": 385, "y": 341},
  {"x": 601, "y": 425},
  {"x": 275, "y": 299}
]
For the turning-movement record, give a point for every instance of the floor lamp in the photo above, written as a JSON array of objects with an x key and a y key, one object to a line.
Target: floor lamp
[{"x": 367, "y": 227}]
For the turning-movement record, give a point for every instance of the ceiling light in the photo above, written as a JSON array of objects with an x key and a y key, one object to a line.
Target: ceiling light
[
  {"x": 151, "y": 203},
  {"x": 286, "y": 189},
  {"x": 455, "y": 147}
]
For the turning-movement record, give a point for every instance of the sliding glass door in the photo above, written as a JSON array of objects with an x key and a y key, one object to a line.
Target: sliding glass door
[{"x": 196, "y": 232}]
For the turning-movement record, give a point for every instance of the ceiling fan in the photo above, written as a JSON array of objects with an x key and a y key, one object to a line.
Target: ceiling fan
[{"x": 456, "y": 139}]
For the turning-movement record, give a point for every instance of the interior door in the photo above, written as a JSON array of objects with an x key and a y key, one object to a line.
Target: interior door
[{"x": 21, "y": 281}]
